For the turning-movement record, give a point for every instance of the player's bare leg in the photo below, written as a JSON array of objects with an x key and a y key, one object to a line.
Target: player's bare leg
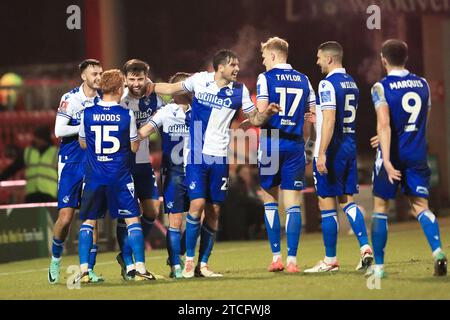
[
  {"x": 356, "y": 219},
  {"x": 429, "y": 223},
  {"x": 272, "y": 221}
]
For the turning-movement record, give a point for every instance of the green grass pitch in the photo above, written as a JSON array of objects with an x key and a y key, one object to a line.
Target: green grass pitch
[{"x": 408, "y": 263}]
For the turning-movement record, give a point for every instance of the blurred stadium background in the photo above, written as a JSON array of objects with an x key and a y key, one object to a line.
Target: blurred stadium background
[{"x": 39, "y": 58}]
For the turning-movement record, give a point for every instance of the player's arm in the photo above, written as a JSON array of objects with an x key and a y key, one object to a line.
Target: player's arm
[
  {"x": 264, "y": 110},
  {"x": 384, "y": 130},
  {"x": 82, "y": 134},
  {"x": 257, "y": 118},
  {"x": 63, "y": 117},
  {"x": 152, "y": 125},
  {"x": 134, "y": 138},
  {"x": 327, "y": 96},
  {"x": 162, "y": 88},
  {"x": 262, "y": 93},
  {"x": 146, "y": 130}
]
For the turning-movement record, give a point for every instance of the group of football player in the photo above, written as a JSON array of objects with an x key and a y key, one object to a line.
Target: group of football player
[{"x": 104, "y": 162}]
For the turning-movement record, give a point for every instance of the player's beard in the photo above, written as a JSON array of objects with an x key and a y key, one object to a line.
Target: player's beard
[
  {"x": 93, "y": 85},
  {"x": 138, "y": 92},
  {"x": 231, "y": 77}
]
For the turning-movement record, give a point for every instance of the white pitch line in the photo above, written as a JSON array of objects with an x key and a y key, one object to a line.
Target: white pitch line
[{"x": 109, "y": 262}]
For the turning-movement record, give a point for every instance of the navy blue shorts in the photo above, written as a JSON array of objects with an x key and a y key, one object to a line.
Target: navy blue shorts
[
  {"x": 176, "y": 199},
  {"x": 342, "y": 178},
  {"x": 70, "y": 184},
  {"x": 289, "y": 173},
  {"x": 208, "y": 180},
  {"x": 145, "y": 181},
  {"x": 415, "y": 179},
  {"x": 119, "y": 198}
]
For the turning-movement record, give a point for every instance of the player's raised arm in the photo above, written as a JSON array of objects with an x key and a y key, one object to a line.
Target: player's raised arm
[
  {"x": 384, "y": 131},
  {"x": 327, "y": 96},
  {"x": 82, "y": 134},
  {"x": 171, "y": 89}
]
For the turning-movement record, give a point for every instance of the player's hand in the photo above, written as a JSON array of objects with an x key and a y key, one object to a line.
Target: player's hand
[
  {"x": 374, "y": 142},
  {"x": 150, "y": 87},
  {"x": 321, "y": 164},
  {"x": 393, "y": 174},
  {"x": 310, "y": 117},
  {"x": 272, "y": 109}
]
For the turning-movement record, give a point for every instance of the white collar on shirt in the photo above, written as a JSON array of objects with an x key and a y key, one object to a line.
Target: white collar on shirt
[
  {"x": 282, "y": 66},
  {"x": 107, "y": 104},
  {"x": 399, "y": 73},
  {"x": 211, "y": 79},
  {"x": 337, "y": 70}
]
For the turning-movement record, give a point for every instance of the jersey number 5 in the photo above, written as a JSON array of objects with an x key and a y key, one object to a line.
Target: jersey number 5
[
  {"x": 283, "y": 93},
  {"x": 104, "y": 136}
]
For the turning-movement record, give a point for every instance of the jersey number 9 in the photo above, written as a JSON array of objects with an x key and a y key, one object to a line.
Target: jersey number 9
[{"x": 413, "y": 109}]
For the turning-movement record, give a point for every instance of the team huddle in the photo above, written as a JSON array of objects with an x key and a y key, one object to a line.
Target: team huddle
[{"x": 104, "y": 162}]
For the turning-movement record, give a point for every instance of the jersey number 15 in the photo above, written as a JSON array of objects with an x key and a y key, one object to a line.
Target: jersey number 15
[{"x": 104, "y": 136}]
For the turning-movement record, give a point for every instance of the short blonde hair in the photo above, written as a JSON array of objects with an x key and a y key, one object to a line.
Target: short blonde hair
[
  {"x": 277, "y": 44},
  {"x": 111, "y": 81}
]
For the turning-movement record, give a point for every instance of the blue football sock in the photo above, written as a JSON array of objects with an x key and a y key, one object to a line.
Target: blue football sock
[
  {"x": 293, "y": 229},
  {"x": 136, "y": 241},
  {"x": 207, "y": 237},
  {"x": 85, "y": 241},
  {"x": 173, "y": 245},
  {"x": 122, "y": 239},
  {"x": 379, "y": 236},
  {"x": 92, "y": 257},
  {"x": 330, "y": 232},
  {"x": 356, "y": 220},
  {"x": 430, "y": 227},
  {"x": 147, "y": 225},
  {"x": 192, "y": 231},
  {"x": 272, "y": 220},
  {"x": 57, "y": 248},
  {"x": 183, "y": 243}
]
